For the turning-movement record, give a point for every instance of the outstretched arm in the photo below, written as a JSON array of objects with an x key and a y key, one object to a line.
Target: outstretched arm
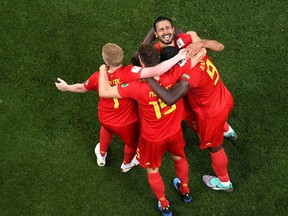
[
  {"x": 169, "y": 97},
  {"x": 63, "y": 86},
  {"x": 105, "y": 90},
  {"x": 213, "y": 45},
  {"x": 198, "y": 44},
  {"x": 164, "y": 66}
]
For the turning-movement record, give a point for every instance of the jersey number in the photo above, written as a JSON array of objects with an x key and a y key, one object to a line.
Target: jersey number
[
  {"x": 159, "y": 105},
  {"x": 212, "y": 70},
  {"x": 116, "y": 103}
]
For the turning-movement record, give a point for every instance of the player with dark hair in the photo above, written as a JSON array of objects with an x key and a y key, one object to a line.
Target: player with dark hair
[
  {"x": 160, "y": 124},
  {"x": 168, "y": 35},
  {"x": 212, "y": 102}
]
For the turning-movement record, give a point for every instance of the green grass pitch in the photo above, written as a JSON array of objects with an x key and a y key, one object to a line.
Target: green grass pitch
[{"x": 47, "y": 137}]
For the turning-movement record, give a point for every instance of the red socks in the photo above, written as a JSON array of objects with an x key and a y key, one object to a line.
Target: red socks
[
  {"x": 158, "y": 187},
  {"x": 129, "y": 154},
  {"x": 220, "y": 165},
  {"x": 105, "y": 139},
  {"x": 182, "y": 169}
]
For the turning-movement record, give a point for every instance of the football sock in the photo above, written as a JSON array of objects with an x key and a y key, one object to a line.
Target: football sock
[
  {"x": 226, "y": 127},
  {"x": 157, "y": 185},
  {"x": 105, "y": 139},
  {"x": 182, "y": 170},
  {"x": 129, "y": 153},
  {"x": 220, "y": 165}
]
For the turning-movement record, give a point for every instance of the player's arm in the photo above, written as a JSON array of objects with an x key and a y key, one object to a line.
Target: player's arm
[
  {"x": 198, "y": 44},
  {"x": 63, "y": 86},
  {"x": 164, "y": 66},
  {"x": 213, "y": 45},
  {"x": 105, "y": 90},
  {"x": 150, "y": 37},
  {"x": 169, "y": 97}
]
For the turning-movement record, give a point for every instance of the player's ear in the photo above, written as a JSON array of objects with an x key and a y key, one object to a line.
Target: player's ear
[
  {"x": 156, "y": 35},
  {"x": 141, "y": 63},
  {"x": 106, "y": 62}
]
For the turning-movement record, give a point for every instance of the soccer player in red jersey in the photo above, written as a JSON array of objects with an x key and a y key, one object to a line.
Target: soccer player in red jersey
[
  {"x": 160, "y": 125},
  {"x": 168, "y": 35},
  {"x": 117, "y": 116},
  {"x": 212, "y": 102}
]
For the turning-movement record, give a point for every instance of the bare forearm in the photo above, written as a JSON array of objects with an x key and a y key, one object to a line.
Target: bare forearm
[
  {"x": 105, "y": 90},
  {"x": 103, "y": 81},
  {"x": 161, "y": 92},
  {"x": 78, "y": 88},
  {"x": 169, "y": 97},
  {"x": 63, "y": 86},
  {"x": 150, "y": 37},
  {"x": 163, "y": 67},
  {"x": 213, "y": 45}
]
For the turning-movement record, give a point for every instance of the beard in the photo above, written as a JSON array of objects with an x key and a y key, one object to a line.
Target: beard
[{"x": 167, "y": 42}]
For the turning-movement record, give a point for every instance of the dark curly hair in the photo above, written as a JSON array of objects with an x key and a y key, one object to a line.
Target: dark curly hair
[
  {"x": 148, "y": 55},
  {"x": 161, "y": 18}
]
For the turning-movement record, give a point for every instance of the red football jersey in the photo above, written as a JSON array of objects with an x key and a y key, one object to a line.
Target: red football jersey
[
  {"x": 113, "y": 111},
  {"x": 207, "y": 95},
  {"x": 158, "y": 121}
]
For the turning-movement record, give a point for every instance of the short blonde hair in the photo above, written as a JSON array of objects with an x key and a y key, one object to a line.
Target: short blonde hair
[{"x": 112, "y": 54}]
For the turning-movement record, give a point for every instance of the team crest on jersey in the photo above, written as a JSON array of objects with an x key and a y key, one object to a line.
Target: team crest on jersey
[
  {"x": 124, "y": 85},
  {"x": 87, "y": 82},
  {"x": 180, "y": 43},
  {"x": 136, "y": 69}
]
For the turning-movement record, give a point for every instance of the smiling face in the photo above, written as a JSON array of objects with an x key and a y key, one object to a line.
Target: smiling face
[{"x": 164, "y": 31}]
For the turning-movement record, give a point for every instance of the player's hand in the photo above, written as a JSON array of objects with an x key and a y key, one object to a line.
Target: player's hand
[
  {"x": 103, "y": 68},
  {"x": 194, "y": 48},
  {"x": 183, "y": 53},
  {"x": 61, "y": 85}
]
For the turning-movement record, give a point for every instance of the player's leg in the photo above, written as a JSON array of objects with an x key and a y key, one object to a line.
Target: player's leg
[
  {"x": 102, "y": 147},
  {"x": 220, "y": 167},
  {"x": 130, "y": 137},
  {"x": 211, "y": 135},
  {"x": 157, "y": 185},
  {"x": 175, "y": 147},
  {"x": 150, "y": 154},
  {"x": 229, "y": 132}
]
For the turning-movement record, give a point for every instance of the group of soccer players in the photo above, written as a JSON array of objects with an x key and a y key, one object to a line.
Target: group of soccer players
[{"x": 146, "y": 114}]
